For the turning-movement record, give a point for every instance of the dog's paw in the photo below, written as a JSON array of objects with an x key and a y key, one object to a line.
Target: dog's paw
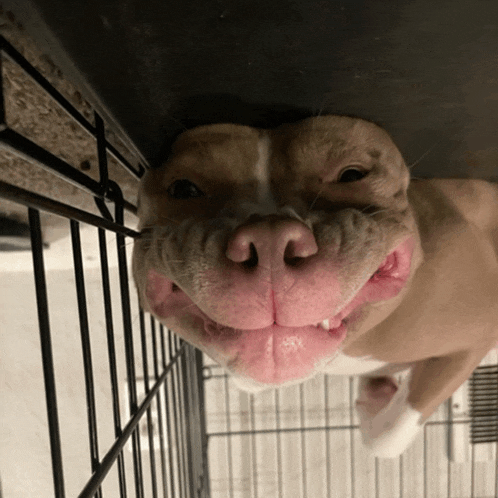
[
  {"x": 388, "y": 423},
  {"x": 387, "y": 438},
  {"x": 375, "y": 394}
]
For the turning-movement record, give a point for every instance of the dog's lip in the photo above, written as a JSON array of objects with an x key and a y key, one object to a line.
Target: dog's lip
[
  {"x": 393, "y": 271},
  {"x": 215, "y": 330},
  {"x": 276, "y": 354},
  {"x": 245, "y": 352}
]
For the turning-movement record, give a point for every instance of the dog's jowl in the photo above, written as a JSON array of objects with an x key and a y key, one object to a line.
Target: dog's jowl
[{"x": 303, "y": 249}]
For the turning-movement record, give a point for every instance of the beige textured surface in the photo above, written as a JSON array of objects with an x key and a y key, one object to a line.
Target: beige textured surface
[{"x": 32, "y": 113}]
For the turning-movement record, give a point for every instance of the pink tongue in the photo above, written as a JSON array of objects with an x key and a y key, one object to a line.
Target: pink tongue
[{"x": 276, "y": 354}]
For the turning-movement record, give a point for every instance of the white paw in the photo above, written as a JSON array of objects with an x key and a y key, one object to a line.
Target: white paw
[{"x": 393, "y": 429}]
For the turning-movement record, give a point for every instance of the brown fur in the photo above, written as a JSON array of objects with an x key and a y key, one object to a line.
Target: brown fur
[{"x": 446, "y": 318}]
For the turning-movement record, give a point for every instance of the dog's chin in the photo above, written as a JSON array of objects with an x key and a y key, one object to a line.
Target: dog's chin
[{"x": 276, "y": 355}]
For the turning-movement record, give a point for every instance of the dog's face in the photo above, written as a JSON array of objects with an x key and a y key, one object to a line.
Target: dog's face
[{"x": 268, "y": 249}]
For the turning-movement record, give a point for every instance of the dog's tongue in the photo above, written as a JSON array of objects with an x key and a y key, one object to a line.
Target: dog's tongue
[{"x": 276, "y": 354}]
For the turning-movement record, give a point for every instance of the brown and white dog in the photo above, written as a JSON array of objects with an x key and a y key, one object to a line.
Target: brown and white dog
[{"x": 283, "y": 253}]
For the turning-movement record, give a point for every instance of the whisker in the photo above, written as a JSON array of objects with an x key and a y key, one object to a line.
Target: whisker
[
  {"x": 378, "y": 212},
  {"x": 135, "y": 320},
  {"x": 186, "y": 307},
  {"x": 315, "y": 199},
  {"x": 424, "y": 154},
  {"x": 129, "y": 243},
  {"x": 171, "y": 220},
  {"x": 367, "y": 207}
]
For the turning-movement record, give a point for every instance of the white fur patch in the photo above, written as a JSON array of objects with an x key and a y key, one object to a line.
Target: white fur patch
[
  {"x": 394, "y": 428},
  {"x": 342, "y": 364},
  {"x": 266, "y": 202}
]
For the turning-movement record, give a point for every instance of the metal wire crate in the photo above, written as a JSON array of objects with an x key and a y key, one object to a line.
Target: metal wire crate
[
  {"x": 151, "y": 416},
  {"x": 304, "y": 441},
  {"x": 150, "y": 401}
]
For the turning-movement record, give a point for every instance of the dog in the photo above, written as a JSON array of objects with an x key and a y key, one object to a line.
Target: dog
[{"x": 308, "y": 248}]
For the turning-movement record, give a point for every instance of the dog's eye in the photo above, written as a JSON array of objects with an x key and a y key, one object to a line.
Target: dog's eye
[
  {"x": 184, "y": 189},
  {"x": 351, "y": 174}
]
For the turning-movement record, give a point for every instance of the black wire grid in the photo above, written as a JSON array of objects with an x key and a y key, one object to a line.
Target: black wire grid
[{"x": 172, "y": 383}]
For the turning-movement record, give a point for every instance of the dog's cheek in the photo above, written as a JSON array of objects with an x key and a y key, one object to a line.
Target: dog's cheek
[
  {"x": 163, "y": 297},
  {"x": 139, "y": 273},
  {"x": 188, "y": 327}
]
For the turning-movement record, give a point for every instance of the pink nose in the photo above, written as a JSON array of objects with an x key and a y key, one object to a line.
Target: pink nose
[
  {"x": 271, "y": 242},
  {"x": 273, "y": 274}
]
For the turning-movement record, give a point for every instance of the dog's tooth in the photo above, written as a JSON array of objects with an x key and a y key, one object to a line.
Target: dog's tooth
[{"x": 325, "y": 324}]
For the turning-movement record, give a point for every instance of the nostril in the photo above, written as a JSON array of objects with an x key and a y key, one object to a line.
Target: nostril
[
  {"x": 252, "y": 261},
  {"x": 270, "y": 243},
  {"x": 299, "y": 246},
  {"x": 292, "y": 255},
  {"x": 241, "y": 248},
  {"x": 294, "y": 262}
]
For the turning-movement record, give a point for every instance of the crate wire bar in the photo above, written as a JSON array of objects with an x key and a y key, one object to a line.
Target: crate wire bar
[
  {"x": 484, "y": 404},
  {"x": 173, "y": 382},
  {"x": 300, "y": 442}
]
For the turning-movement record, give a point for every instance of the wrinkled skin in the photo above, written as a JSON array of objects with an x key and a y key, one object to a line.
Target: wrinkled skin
[{"x": 277, "y": 243}]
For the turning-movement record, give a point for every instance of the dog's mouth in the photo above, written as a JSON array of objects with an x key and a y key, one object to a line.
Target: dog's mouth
[{"x": 276, "y": 354}]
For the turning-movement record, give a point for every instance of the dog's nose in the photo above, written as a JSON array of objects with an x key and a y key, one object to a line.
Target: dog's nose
[{"x": 271, "y": 242}]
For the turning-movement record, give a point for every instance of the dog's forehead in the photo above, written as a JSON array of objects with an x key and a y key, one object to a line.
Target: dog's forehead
[
  {"x": 215, "y": 140},
  {"x": 215, "y": 134},
  {"x": 245, "y": 154},
  {"x": 231, "y": 149},
  {"x": 335, "y": 136}
]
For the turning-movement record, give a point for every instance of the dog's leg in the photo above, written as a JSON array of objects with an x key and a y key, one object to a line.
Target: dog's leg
[
  {"x": 388, "y": 423},
  {"x": 391, "y": 418}
]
